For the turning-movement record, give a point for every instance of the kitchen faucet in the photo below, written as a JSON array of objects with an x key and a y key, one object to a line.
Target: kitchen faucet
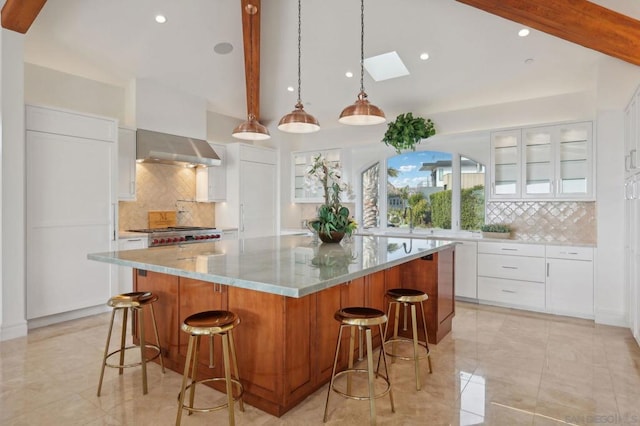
[{"x": 411, "y": 225}]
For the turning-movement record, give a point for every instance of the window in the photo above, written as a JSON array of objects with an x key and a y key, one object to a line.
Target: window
[{"x": 424, "y": 189}]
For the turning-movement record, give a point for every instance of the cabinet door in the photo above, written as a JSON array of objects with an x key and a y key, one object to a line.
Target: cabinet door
[
  {"x": 72, "y": 204},
  {"x": 570, "y": 287},
  {"x": 538, "y": 156},
  {"x": 304, "y": 191},
  {"x": 211, "y": 182},
  {"x": 574, "y": 169},
  {"x": 466, "y": 270},
  {"x": 125, "y": 273},
  {"x": 257, "y": 199},
  {"x": 126, "y": 164},
  {"x": 505, "y": 164},
  {"x": 199, "y": 296}
]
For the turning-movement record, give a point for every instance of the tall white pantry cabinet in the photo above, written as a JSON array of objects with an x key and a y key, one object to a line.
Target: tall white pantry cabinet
[{"x": 71, "y": 209}]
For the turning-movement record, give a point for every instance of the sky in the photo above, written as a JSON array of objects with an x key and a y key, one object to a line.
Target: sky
[{"x": 408, "y": 165}]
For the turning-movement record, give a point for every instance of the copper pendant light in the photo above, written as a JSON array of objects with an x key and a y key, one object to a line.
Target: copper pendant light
[
  {"x": 298, "y": 120},
  {"x": 251, "y": 129},
  {"x": 362, "y": 112}
]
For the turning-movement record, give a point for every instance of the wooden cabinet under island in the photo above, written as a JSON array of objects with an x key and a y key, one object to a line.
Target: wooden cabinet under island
[{"x": 285, "y": 292}]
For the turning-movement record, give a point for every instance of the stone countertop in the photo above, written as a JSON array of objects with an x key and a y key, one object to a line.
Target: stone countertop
[
  {"x": 469, "y": 236},
  {"x": 287, "y": 265}
]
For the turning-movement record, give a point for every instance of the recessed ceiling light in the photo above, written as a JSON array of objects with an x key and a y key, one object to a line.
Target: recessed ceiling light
[
  {"x": 290, "y": 89},
  {"x": 161, "y": 19},
  {"x": 424, "y": 56},
  {"x": 223, "y": 48},
  {"x": 523, "y": 32},
  {"x": 349, "y": 74}
]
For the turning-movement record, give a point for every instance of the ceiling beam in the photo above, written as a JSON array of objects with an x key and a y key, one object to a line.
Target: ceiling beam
[
  {"x": 18, "y": 15},
  {"x": 578, "y": 21},
  {"x": 251, "y": 40}
]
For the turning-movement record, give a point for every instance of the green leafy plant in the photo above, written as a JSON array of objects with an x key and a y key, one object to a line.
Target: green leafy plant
[
  {"x": 407, "y": 131},
  {"x": 332, "y": 215},
  {"x": 495, "y": 227}
]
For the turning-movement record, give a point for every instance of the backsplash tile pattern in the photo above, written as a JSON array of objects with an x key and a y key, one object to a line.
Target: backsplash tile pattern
[
  {"x": 165, "y": 187},
  {"x": 569, "y": 222}
]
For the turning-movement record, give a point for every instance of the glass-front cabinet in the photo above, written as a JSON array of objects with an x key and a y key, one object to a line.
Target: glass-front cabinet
[
  {"x": 505, "y": 164},
  {"x": 303, "y": 190},
  {"x": 547, "y": 162}
]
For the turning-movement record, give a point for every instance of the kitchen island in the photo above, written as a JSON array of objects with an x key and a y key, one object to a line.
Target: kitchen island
[{"x": 286, "y": 290}]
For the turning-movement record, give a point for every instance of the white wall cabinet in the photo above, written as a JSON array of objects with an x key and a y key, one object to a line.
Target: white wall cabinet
[
  {"x": 548, "y": 162},
  {"x": 466, "y": 270},
  {"x": 251, "y": 191},
  {"x": 125, "y": 274},
  {"x": 211, "y": 182},
  {"x": 302, "y": 190},
  {"x": 569, "y": 288},
  {"x": 126, "y": 164},
  {"x": 72, "y": 197}
]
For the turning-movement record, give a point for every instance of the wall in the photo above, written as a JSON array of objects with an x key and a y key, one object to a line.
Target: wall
[
  {"x": 45, "y": 86},
  {"x": 12, "y": 171},
  {"x": 165, "y": 187}
]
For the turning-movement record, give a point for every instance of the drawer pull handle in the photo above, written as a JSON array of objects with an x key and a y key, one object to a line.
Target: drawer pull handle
[
  {"x": 510, "y": 267},
  {"x": 509, "y": 249},
  {"x": 508, "y": 291}
]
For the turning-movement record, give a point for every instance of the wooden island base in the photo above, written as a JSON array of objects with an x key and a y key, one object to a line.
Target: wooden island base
[{"x": 285, "y": 346}]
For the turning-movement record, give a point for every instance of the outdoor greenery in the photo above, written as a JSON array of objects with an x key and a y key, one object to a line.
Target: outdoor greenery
[
  {"x": 496, "y": 227},
  {"x": 441, "y": 209}
]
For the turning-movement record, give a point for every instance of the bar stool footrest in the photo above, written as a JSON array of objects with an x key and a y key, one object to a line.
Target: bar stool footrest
[
  {"x": 361, "y": 398},
  {"x": 400, "y": 339},
  {"x": 217, "y": 407},
  {"x": 117, "y": 351}
]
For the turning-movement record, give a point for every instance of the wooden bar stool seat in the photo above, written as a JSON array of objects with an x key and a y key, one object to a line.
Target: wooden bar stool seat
[
  {"x": 133, "y": 302},
  {"x": 364, "y": 319},
  {"x": 407, "y": 297},
  {"x": 211, "y": 323}
]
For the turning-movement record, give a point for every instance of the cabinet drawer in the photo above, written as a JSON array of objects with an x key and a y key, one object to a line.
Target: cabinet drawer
[
  {"x": 514, "y": 293},
  {"x": 570, "y": 252},
  {"x": 511, "y": 249},
  {"x": 511, "y": 267},
  {"x": 69, "y": 123}
]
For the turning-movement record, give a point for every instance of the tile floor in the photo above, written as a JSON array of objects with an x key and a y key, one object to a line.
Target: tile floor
[{"x": 497, "y": 367}]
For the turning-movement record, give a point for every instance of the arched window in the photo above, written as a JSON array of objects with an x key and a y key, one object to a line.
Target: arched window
[{"x": 424, "y": 190}]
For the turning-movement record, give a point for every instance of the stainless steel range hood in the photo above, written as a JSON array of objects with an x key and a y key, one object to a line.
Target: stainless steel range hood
[{"x": 171, "y": 149}]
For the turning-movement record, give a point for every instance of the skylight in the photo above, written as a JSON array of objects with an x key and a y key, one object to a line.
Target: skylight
[{"x": 385, "y": 66}]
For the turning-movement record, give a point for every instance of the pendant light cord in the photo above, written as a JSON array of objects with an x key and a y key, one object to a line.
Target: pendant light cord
[
  {"x": 361, "y": 45},
  {"x": 299, "y": 41}
]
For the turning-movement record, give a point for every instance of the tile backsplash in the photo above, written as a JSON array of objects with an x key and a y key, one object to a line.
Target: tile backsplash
[
  {"x": 569, "y": 222},
  {"x": 165, "y": 187}
]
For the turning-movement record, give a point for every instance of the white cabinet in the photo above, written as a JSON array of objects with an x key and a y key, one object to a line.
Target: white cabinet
[
  {"x": 512, "y": 274},
  {"x": 71, "y": 182},
  {"x": 126, "y": 164},
  {"x": 125, "y": 274},
  {"x": 505, "y": 164},
  {"x": 302, "y": 190},
  {"x": 466, "y": 274},
  {"x": 547, "y": 162},
  {"x": 229, "y": 234},
  {"x": 570, "y": 281},
  {"x": 251, "y": 204},
  {"x": 632, "y": 134},
  {"x": 211, "y": 182}
]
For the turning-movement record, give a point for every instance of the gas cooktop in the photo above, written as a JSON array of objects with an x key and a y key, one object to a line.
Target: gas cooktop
[{"x": 179, "y": 235}]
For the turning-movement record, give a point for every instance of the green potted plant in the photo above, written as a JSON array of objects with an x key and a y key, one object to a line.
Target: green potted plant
[
  {"x": 333, "y": 221},
  {"x": 495, "y": 230},
  {"x": 406, "y": 131}
]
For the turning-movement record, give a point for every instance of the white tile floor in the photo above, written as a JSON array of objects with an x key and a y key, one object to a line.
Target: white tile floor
[{"x": 498, "y": 367}]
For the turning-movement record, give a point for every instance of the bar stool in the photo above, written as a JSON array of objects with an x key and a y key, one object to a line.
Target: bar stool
[
  {"x": 405, "y": 297},
  {"x": 210, "y": 323},
  {"x": 364, "y": 319},
  {"x": 135, "y": 302}
]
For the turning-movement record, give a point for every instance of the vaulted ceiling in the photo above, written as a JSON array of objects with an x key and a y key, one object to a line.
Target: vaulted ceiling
[{"x": 476, "y": 58}]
